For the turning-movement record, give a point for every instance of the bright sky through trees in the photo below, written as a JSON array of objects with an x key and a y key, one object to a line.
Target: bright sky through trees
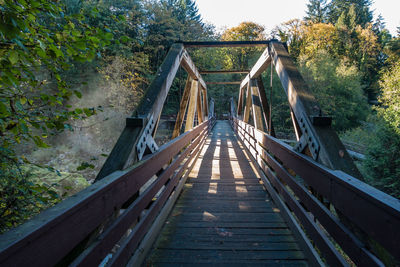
[{"x": 269, "y": 13}]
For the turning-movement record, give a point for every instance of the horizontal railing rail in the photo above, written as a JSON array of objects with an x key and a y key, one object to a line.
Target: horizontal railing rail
[
  {"x": 292, "y": 173},
  {"x": 52, "y": 237}
]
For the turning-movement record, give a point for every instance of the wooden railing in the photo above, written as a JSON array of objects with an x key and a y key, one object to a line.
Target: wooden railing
[
  {"x": 60, "y": 235},
  {"x": 290, "y": 175}
]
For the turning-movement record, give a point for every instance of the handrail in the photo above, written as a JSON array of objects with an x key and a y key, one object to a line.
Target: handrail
[
  {"x": 373, "y": 211},
  {"x": 47, "y": 239}
]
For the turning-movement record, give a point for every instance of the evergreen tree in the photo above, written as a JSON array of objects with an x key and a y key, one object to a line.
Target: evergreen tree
[
  {"x": 185, "y": 10},
  {"x": 363, "y": 14},
  {"x": 316, "y": 11}
]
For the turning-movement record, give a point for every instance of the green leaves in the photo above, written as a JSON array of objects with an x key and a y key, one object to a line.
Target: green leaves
[
  {"x": 13, "y": 57},
  {"x": 39, "y": 142},
  {"x": 84, "y": 165}
]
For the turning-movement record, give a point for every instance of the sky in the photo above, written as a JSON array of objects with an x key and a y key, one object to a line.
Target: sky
[{"x": 269, "y": 13}]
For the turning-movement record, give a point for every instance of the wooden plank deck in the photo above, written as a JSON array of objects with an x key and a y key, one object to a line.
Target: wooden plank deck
[{"x": 224, "y": 216}]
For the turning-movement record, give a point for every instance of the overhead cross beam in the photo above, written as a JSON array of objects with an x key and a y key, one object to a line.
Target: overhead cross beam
[
  {"x": 227, "y": 44},
  {"x": 223, "y": 71}
]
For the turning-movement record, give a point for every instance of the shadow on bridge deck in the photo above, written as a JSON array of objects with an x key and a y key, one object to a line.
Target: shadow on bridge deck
[{"x": 224, "y": 215}]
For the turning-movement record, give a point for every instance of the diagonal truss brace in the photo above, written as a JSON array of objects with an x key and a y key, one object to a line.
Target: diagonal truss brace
[{"x": 146, "y": 140}]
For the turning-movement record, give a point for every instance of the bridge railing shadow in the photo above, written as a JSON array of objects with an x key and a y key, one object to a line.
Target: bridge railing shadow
[{"x": 290, "y": 175}]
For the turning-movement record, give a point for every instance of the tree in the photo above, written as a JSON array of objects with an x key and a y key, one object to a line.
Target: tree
[
  {"x": 291, "y": 32},
  {"x": 316, "y": 11},
  {"x": 318, "y": 37},
  {"x": 383, "y": 157},
  {"x": 362, "y": 13},
  {"x": 239, "y": 58},
  {"x": 167, "y": 23},
  {"x": 337, "y": 87},
  {"x": 185, "y": 10},
  {"x": 38, "y": 41}
]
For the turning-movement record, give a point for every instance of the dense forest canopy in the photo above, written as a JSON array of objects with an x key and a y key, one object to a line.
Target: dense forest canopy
[{"x": 72, "y": 70}]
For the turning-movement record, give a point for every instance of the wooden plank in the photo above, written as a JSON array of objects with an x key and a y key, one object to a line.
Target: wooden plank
[
  {"x": 231, "y": 217},
  {"x": 191, "y": 69},
  {"x": 192, "y": 106},
  {"x": 199, "y": 108},
  {"x": 225, "y": 187},
  {"x": 296, "y": 126},
  {"x": 265, "y": 106},
  {"x": 182, "y": 108},
  {"x": 226, "y": 44},
  {"x": 123, "y": 153},
  {"x": 205, "y": 103},
  {"x": 224, "y": 82},
  {"x": 240, "y": 102},
  {"x": 247, "y": 108},
  {"x": 262, "y": 64},
  {"x": 223, "y": 71},
  {"x": 256, "y": 105},
  {"x": 272, "y": 234},
  {"x": 228, "y": 256},
  {"x": 226, "y": 245},
  {"x": 237, "y": 263}
]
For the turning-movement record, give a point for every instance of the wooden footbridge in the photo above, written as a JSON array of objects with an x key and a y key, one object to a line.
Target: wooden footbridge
[{"x": 220, "y": 192}]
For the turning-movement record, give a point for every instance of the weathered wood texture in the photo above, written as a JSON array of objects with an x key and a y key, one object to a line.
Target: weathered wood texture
[
  {"x": 226, "y": 44},
  {"x": 225, "y": 82},
  {"x": 223, "y": 71},
  {"x": 46, "y": 239},
  {"x": 191, "y": 112},
  {"x": 375, "y": 212},
  {"x": 224, "y": 216},
  {"x": 256, "y": 107},
  {"x": 191, "y": 69},
  {"x": 265, "y": 106},
  {"x": 247, "y": 107},
  {"x": 200, "y": 107},
  {"x": 182, "y": 108}
]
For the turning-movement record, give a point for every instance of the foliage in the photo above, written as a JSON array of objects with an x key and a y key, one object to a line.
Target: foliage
[
  {"x": 38, "y": 41},
  {"x": 390, "y": 97},
  {"x": 123, "y": 18},
  {"x": 316, "y": 11},
  {"x": 20, "y": 198},
  {"x": 290, "y": 32},
  {"x": 239, "y": 58},
  {"x": 382, "y": 162},
  {"x": 361, "y": 8},
  {"x": 383, "y": 158},
  {"x": 317, "y": 37},
  {"x": 168, "y": 22},
  {"x": 337, "y": 87}
]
